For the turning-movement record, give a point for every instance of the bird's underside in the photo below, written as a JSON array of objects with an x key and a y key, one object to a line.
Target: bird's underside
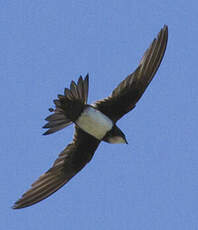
[{"x": 69, "y": 108}]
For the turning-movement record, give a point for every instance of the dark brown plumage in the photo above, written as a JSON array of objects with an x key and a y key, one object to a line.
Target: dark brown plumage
[
  {"x": 68, "y": 108},
  {"x": 70, "y": 161},
  {"x": 125, "y": 96}
]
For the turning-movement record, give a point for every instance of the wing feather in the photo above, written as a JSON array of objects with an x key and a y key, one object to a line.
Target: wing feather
[
  {"x": 125, "y": 96},
  {"x": 70, "y": 161}
]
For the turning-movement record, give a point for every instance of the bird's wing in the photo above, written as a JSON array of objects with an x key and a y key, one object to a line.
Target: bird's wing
[
  {"x": 70, "y": 161},
  {"x": 128, "y": 92}
]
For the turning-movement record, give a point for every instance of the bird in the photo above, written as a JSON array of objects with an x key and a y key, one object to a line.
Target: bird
[{"x": 93, "y": 123}]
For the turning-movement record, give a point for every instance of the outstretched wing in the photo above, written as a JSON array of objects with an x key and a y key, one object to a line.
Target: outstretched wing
[
  {"x": 128, "y": 92},
  {"x": 70, "y": 161}
]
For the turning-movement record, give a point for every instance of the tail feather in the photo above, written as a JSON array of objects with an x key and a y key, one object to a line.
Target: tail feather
[
  {"x": 74, "y": 89},
  {"x": 67, "y": 106}
]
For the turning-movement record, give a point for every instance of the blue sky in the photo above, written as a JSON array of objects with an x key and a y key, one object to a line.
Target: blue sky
[{"x": 150, "y": 183}]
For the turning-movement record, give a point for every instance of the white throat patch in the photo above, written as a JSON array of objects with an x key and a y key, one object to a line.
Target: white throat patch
[
  {"x": 94, "y": 122},
  {"x": 116, "y": 140}
]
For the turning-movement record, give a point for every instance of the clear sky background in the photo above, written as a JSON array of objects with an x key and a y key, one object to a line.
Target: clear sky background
[{"x": 150, "y": 184}]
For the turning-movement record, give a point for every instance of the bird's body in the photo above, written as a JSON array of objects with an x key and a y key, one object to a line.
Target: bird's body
[{"x": 93, "y": 123}]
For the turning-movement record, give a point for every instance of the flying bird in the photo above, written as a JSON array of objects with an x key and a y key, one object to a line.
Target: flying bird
[{"x": 93, "y": 123}]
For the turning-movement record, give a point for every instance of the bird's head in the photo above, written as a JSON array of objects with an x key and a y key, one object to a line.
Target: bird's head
[{"x": 115, "y": 136}]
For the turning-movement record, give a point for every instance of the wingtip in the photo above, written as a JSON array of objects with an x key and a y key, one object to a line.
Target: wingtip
[
  {"x": 165, "y": 29},
  {"x": 15, "y": 206}
]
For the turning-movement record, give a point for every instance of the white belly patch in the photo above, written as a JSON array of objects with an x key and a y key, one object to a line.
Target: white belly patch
[{"x": 94, "y": 122}]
